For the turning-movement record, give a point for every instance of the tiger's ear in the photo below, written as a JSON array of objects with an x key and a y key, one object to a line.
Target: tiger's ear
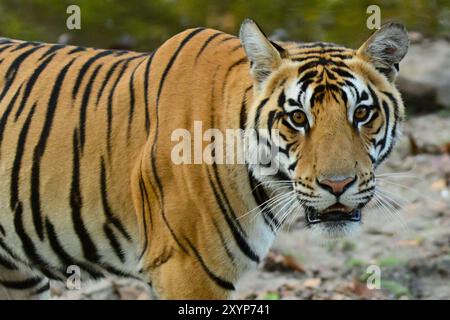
[
  {"x": 386, "y": 48},
  {"x": 265, "y": 56}
]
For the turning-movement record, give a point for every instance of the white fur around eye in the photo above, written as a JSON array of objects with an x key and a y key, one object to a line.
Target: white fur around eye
[
  {"x": 292, "y": 91},
  {"x": 353, "y": 93}
]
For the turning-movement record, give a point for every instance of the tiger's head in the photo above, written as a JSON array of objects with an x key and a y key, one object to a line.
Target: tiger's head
[{"x": 326, "y": 116}]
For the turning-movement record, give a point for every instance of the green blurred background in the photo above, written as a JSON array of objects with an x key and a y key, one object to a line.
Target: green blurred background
[{"x": 145, "y": 24}]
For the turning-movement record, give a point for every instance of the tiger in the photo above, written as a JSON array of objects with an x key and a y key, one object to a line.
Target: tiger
[{"x": 86, "y": 154}]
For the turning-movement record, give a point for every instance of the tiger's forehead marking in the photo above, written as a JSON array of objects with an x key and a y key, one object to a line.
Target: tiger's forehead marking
[{"x": 321, "y": 79}]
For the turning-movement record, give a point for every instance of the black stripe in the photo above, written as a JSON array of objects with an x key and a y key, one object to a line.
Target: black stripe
[
  {"x": 325, "y": 60},
  {"x": 144, "y": 220},
  {"x": 260, "y": 196},
  {"x": 153, "y": 151},
  {"x": 15, "y": 172},
  {"x": 343, "y": 73},
  {"x": 76, "y": 204},
  {"x": 364, "y": 96},
  {"x": 76, "y": 49},
  {"x": 394, "y": 102},
  {"x": 207, "y": 42},
  {"x": 143, "y": 192},
  {"x": 222, "y": 193},
  {"x": 231, "y": 68},
  {"x": 132, "y": 102},
  {"x": 121, "y": 53},
  {"x": 11, "y": 73},
  {"x": 44, "y": 288},
  {"x": 223, "y": 196},
  {"x": 84, "y": 104},
  {"x": 218, "y": 280},
  {"x": 258, "y": 111},
  {"x": 382, "y": 142},
  {"x": 28, "y": 246},
  {"x": 5, "y": 47},
  {"x": 2, "y": 230},
  {"x": 132, "y": 99},
  {"x": 306, "y": 66},
  {"x": 51, "y": 50},
  {"x": 9, "y": 253},
  {"x": 394, "y": 127},
  {"x": 327, "y": 50},
  {"x": 40, "y": 149},
  {"x": 117, "y": 272},
  {"x": 224, "y": 243},
  {"x": 330, "y": 75},
  {"x": 21, "y": 284},
  {"x": 30, "y": 84},
  {"x": 110, "y": 106},
  {"x": 319, "y": 44},
  {"x": 172, "y": 60},
  {"x": 376, "y": 104},
  {"x": 107, "y": 77},
  {"x": 146, "y": 91},
  {"x": 110, "y": 217},
  {"x": 84, "y": 69},
  {"x": 239, "y": 46},
  {"x": 228, "y": 39},
  {"x": 307, "y": 76},
  {"x": 243, "y": 112},
  {"x": 272, "y": 117},
  {"x": 7, "y": 264},
  {"x": 318, "y": 61},
  {"x": 303, "y": 87},
  {"x": 25, "y": 45},
  {"x": 241, "y": 242},
  {"x": 115, "y": 244},
  {"x": 281, "y": 99},
  {"x": 62, "y": 254},
  {"x": 7, "y": 112},
  {"x": 396, "y": 120}
]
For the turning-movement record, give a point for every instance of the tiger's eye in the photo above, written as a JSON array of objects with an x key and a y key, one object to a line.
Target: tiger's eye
[
  {"x": 361, "y": 113},
  {"x": 299, "y": 118}
]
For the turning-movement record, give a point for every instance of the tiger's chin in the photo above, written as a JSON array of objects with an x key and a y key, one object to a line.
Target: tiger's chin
[{"x": 333, "y": 225}]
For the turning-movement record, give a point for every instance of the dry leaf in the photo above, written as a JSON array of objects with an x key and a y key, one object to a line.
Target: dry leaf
[
  {"x": 279, "y": 262},
  {"x": 312, "y": 282},
  {"x": 293, "y": 264},
  {"x": 410, "y": 243},
  {"x": 360, "y": 289}
]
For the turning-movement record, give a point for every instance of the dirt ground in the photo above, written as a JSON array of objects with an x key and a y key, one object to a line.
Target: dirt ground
[{"x": 407, "y": 239}]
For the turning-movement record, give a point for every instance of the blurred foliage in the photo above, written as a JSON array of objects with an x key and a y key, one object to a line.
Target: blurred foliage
[
  {"x": 397, "y": 289},
  {"x": 145, "y": 24},
  {"x": 272, "y": 296}
]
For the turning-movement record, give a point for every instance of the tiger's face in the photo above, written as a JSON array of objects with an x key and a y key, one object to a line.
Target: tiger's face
[{"x": 326, "y": 116}]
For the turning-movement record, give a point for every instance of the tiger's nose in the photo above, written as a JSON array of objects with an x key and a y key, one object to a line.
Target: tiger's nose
[{"x": 337, "y": 186}]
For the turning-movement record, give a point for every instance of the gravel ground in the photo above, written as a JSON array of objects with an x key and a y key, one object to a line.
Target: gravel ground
[{"x": 410, "y": 245}]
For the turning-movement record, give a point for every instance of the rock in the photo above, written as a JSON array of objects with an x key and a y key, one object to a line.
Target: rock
[{"x": 424, "y": 77}]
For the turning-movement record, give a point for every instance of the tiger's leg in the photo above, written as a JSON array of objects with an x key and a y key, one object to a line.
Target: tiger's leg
[
  {"x": 18, "y": 284},
  {"x": 187, "y": 277}
]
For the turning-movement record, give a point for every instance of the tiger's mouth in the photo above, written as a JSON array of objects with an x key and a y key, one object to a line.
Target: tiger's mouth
[{"x": 336, "y": 213}]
